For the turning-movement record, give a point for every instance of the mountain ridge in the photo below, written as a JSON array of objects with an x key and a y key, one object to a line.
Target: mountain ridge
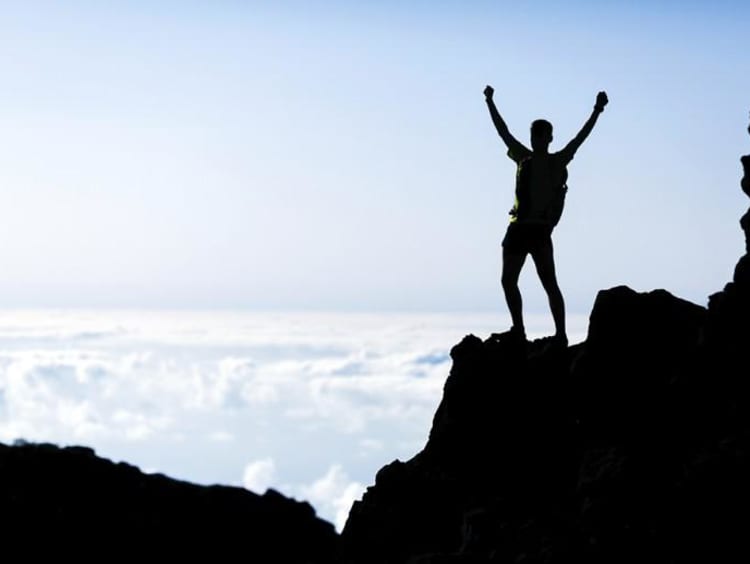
[{"x": 631, "y": 446}]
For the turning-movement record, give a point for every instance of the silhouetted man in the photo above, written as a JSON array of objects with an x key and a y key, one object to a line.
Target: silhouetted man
[{"x": 540, "y": 192}]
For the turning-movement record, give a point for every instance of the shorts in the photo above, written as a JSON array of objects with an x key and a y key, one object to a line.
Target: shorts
[{"x": 524, "y": 238}]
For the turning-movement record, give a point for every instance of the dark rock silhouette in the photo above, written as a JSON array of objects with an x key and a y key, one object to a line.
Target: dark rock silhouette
[
  {"x": 633, "y": 446},
  {"x": 69, "y": 501}
]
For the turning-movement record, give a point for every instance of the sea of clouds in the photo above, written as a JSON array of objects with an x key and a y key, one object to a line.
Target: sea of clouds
[{"x": 310, "y": 404}]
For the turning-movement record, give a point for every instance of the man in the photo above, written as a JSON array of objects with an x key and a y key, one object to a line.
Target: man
[{"x": 540, "y": 192}]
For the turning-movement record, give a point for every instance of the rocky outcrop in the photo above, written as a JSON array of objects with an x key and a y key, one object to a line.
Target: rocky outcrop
[
  {"x": 70, "y": 503},
  {"x": 633, "y": 446}
]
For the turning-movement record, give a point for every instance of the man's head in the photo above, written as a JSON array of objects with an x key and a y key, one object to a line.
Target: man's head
[{"x": 541, "y": 135}]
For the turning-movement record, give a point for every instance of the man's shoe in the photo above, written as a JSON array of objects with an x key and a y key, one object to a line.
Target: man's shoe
[
  {"x": 513, "y": 336},
  {"x": 561, "y": 340},
  {"x": 517, "y": 333},
  {"x": 553, "y": 343}
]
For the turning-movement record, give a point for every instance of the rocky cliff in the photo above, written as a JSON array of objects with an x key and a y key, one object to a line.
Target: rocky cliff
[
  {"x": 633, "y": 446},
  {"x": 70, "y": 503}
]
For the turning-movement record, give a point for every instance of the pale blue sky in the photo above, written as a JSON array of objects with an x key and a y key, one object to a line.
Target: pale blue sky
[{"x": 334, "y": 155}]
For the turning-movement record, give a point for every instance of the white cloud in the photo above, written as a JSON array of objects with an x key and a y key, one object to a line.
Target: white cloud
[
  {"x": 194, "y": 395},
  {"x": 221, "y": 437},
  {"x": 259, "y": 475},
  {"x": 334, "y": 493},
  {"x": 371, "y": 445},
  {"x": 138, "y": 426}
]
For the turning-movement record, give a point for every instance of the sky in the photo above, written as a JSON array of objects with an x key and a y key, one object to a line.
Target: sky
[
  {"x": 339, "y": 156},
  {"x": 238, "y": 239}
]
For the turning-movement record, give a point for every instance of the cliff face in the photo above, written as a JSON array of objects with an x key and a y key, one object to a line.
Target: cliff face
[
  {"x": 68, "y": 502},
  {"x": 633, "y": 446}
]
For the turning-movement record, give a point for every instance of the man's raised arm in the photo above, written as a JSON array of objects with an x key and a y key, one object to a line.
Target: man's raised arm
[
  {"x": 601, "y": 101},
  {"x": 511, "y": 142}
]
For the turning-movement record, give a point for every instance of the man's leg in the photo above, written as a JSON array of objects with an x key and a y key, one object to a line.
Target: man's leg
[
  {"x": 545, "y": 267},
  {"x": 512, "y": 264}
]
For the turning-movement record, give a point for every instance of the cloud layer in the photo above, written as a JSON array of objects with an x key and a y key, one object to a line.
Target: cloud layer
[{"x": 309, "y": 404}]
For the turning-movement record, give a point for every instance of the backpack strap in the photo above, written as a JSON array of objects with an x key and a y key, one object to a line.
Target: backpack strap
[{"x": 523, "y": 190}]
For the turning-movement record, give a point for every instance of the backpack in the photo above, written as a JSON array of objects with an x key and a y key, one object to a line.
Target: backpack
[{"x": 523, "y": 192}]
